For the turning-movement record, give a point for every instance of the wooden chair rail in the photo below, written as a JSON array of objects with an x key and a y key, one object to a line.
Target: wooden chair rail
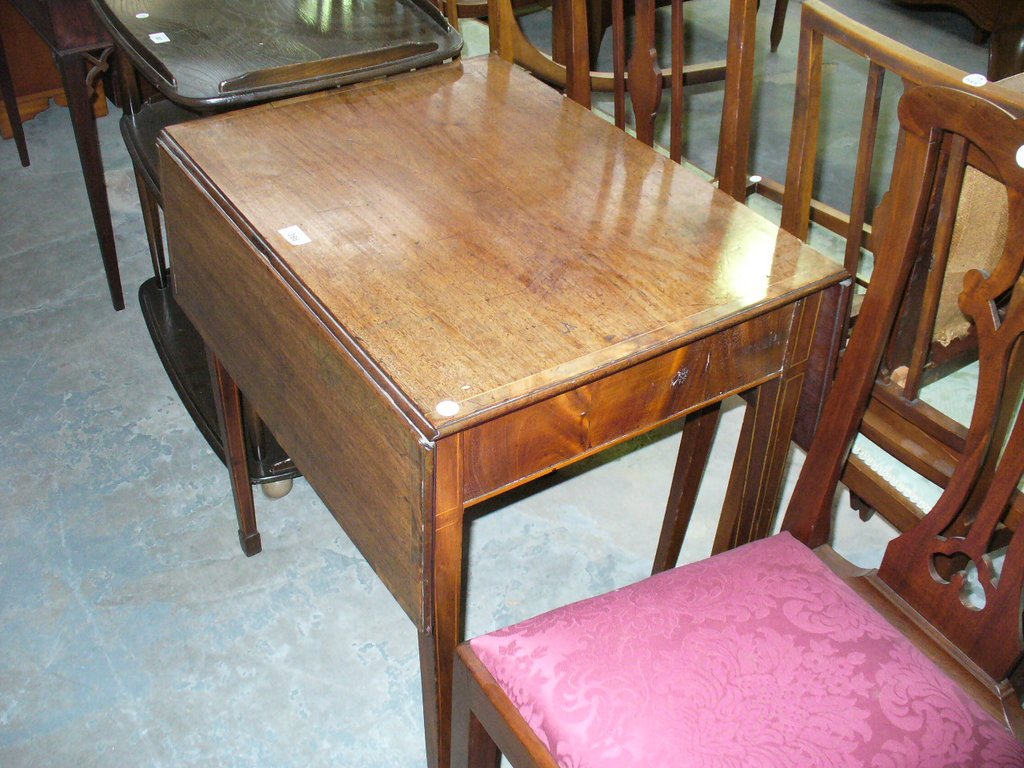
[
  {"x": 509, "y": 41},
  {"x": 884, "y": 55},
  {"x": 641, "y": 77},
  {"x": 896, "y": 418}
]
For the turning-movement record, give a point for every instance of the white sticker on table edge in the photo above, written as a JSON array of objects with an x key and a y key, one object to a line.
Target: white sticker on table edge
[{"x": 447, "y": 408}]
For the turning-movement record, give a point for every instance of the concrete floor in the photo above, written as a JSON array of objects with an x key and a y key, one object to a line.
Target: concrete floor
[{"x": 134, "y": 632}]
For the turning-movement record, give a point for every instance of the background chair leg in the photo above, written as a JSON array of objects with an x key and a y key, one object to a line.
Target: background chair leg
[{"x": 778, "y": 22}]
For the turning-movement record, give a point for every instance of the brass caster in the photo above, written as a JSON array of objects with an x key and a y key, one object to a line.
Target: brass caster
[{"x": 277, "y": 489}]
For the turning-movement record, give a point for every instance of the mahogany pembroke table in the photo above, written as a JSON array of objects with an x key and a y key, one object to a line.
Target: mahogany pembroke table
[{"x": 438, "y": 286}]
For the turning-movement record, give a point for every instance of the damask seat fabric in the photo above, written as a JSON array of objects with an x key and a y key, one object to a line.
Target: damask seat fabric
[{"x": 760, "y": 656}]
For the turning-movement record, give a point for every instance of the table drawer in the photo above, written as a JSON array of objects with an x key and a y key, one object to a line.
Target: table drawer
[{"x": 531, "y": 441}]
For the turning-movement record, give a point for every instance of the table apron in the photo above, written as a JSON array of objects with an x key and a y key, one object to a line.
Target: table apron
[{"x": 527, "y": 443}]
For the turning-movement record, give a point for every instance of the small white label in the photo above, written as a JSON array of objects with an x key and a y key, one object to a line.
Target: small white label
[
  {"x": 976, "y": 80},
  {"x": 294, "y": 235},
  {"x": 447, "y": 408},
  {"x": 1020, "y": 155},
  {"x": 159, "y": 37},
  {"x": 755, "y": 179},
  {"x": 141, "y": 15}
]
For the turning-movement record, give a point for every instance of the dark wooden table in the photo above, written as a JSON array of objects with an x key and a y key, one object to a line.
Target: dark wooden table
[
  {"x": 1003, "y": 20},
  {"x": 81, "y": 48},
  {"x": 438, "y": 286},
  {"x": 214, "y": 54}
]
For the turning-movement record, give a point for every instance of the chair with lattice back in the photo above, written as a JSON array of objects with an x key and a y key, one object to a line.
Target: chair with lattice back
[
  {"x": 910, "y": 437},
  {"x": 780, "y": 652},
  {"x": 906, "y": 433}
]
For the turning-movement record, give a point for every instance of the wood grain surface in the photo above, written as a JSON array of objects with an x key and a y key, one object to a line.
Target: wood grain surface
[{"x": 487, "y": 242}]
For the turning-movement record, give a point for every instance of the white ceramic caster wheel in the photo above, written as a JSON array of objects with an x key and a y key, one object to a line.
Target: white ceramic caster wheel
[{"x": 277, "y": 488}]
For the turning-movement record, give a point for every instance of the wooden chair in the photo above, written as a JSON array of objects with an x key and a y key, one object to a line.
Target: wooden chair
[
  {"x": 780, "y": 651},
  {"x": 638, "y": 74},
  {"x": 934, "y": 338},
  {"x": 882, "y": 56}
]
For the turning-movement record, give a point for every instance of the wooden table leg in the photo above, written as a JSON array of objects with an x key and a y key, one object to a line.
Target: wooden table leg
[
  {"x": 229, "y": 412},
  {"x": 444, "y": 596},
  {"x": 1006, "y": 52},
  {"x": 695, "y": 442},
  {"x": 755, "y": 485},
  {"x": 72, "y": 66},
  {"x": 11, "y": 105},
  {"x": 752, "y": 496}
]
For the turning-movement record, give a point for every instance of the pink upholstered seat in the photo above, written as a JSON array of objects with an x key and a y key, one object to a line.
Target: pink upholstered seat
[{"x": 760, "y": 656}]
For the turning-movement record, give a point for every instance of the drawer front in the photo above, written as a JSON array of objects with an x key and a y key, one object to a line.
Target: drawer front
[{"x": 553, "y": 432}]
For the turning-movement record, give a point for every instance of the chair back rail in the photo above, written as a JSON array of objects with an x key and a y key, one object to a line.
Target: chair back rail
[
  {"x": 819, "y": 22},
  {"x": 637, "y": 80}
]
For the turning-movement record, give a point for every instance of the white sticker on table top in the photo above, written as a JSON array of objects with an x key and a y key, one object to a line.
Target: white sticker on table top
[
  {"x": 1020, "y": 155},
  {"x": 447, "y": 408},
  {"x": 159, "y": 37},
  {"x": 294, "y": 235},
  {"x": 977, "y": 80}
]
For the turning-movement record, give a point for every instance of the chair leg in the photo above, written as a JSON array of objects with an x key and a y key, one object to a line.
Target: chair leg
[
  {"x": 694, "y": 449},
  {"x": 11, "y": 105},
  {"x": 229, "y": 411},
  {"x": 778, "y": 22},
  {"x": 1006, "y": 52},
  {"x": 472, "y": 745}
]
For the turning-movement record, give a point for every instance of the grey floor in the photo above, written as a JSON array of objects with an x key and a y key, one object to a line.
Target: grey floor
[{"x": 132, "y": 630}]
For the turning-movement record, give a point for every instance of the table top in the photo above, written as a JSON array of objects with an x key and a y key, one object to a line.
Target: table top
[
  {"x": 64, "y": 24},
  {"x": 987, "y": 14},
  {"x": 480, "y": 242},
  {"x": 220, "y": 53}
]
